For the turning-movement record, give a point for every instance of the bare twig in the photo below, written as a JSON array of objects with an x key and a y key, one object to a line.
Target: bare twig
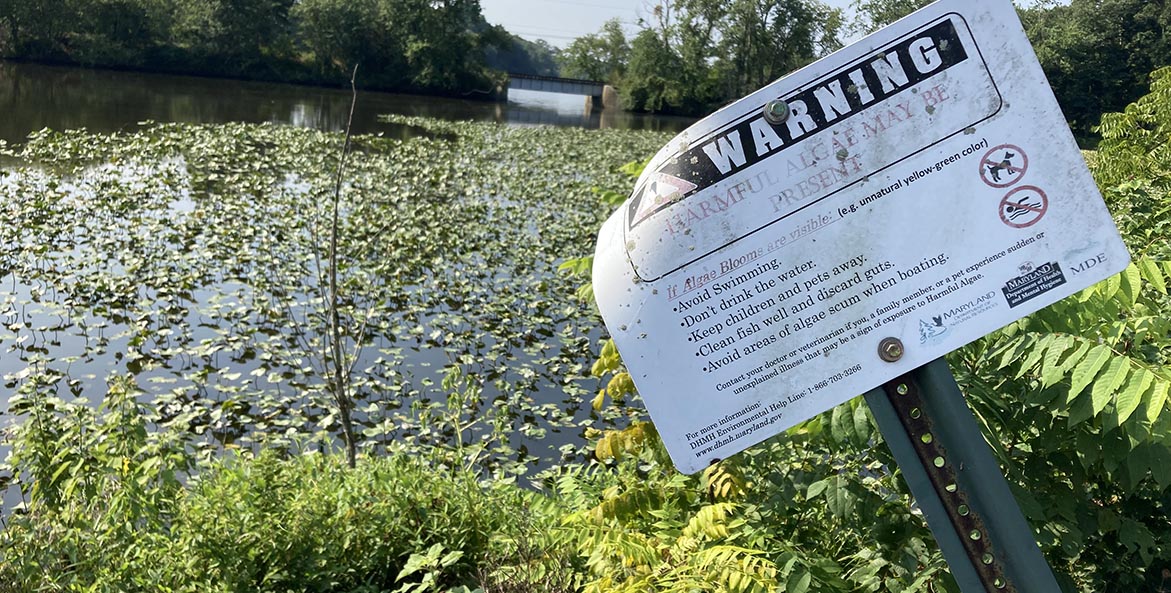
[{"x": 340, "y": 381}]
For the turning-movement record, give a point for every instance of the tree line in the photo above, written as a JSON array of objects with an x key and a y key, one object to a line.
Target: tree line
[
  {"x": 433, "y": 46},
  {"x": 689, "y": 57},
  {"x": 685, "y": 57}
]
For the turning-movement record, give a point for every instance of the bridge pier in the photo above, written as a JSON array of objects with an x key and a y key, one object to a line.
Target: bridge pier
[{"x": 608, "y": 99}]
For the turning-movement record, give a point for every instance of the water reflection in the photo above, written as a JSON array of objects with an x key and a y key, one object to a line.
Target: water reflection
[{"x": 35, "y": 96}]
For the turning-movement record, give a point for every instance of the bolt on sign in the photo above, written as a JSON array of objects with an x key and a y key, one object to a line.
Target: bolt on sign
[{"x": 921, "y": 184}]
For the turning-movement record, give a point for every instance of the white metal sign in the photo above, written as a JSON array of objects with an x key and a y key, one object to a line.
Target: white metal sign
[{"x": 920, "y": 184}]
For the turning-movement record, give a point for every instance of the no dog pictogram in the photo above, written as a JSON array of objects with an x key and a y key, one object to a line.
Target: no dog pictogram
[
  {"x": 1004, "y": 165},
  {"x": 1023, "y": 206}
]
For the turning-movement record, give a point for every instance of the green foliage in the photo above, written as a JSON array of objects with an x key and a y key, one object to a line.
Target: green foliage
[
  {"x": 699, "y": 54},
  {"x": 438, "y": 47},
  {"x": 1134, "y": 142},
  {"x": 601, "y": 56},
  {"x": 306, "y": 523},
  {"x": 99, "y": 492},
  {"x": 1097, "y": 54},
  {"x": 807, "y": 512},
  {"x": 1087, "y": 444},
  {"x": 1076, "y": 394},
  {"x": 520, "y": 56},
  {"x": 310, "y": 524},
  {"x": 872, "y": 15}
]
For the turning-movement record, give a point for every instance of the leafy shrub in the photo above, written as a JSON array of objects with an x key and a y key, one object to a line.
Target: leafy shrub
[
  {"x": 308, "y": 524},
  {"x": 106, "y": 509},
  {"x": 100, "y": 493}
]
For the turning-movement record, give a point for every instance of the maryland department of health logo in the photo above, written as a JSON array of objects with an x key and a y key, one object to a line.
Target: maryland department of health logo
[{"x": 1032, "y": 283}]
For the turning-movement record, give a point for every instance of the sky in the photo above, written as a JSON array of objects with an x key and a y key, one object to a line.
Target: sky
[{"x": 562, "y": 21}]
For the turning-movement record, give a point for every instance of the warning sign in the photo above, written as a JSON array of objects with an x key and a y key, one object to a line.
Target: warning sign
[
  {"x": 1023, "y": 207},
  {"x": 760, "y": 261},
  {"x": 1004, "y": 165}
]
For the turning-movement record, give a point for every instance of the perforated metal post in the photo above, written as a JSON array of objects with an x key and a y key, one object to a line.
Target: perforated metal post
[{"x": 958, "y": 484}]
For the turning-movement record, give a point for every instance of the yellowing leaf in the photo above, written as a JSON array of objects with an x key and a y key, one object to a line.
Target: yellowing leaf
[
  {"x": 1131, "y": 284},
  {"x": 599, "y": 401},
  {"x": 1157, "y": 400}
]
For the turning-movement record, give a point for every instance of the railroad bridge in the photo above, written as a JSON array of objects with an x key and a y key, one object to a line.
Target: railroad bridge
[{"x": 598, "y": 95}]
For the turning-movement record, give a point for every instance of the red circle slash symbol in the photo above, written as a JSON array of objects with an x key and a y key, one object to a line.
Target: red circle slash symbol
[
  {"x": 1023, "y": 206},
  {"x": 1004, "y": 165}
]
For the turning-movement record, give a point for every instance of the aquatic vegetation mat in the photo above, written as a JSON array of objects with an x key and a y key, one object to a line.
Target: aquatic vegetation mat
[{"x": 190, "y": 258}]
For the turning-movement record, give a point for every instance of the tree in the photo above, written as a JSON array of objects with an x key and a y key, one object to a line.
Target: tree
[
  {"x": 37, "y": 28},
  {"x": 650, "y": 84},
  {"x": 343, "y": 33},
  {"x": 521, "y": 56},
  {"x": 872, "y": 15},
  {"x": 1097, "y": 53},
  {"x": 765, "y": 39},
  {"x": 600, "y": 56},
  {"x": 239, "y": 35},
  {"x": 698, "y": 54},
  {"x": 441, "y": 46}
]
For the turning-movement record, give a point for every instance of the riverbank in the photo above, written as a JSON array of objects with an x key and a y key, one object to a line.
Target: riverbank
[
  {"x": 438, "y": 49},
  {"x": 36, "y": 96}
]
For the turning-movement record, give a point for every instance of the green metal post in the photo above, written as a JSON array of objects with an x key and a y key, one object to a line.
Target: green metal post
[{"x": 957, "y": 483}]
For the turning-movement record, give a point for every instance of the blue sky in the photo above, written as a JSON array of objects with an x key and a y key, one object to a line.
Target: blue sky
[{"x": 561, "y": 21}]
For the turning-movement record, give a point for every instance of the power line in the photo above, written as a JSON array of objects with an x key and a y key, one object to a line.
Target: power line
[
  {"x": 543, "y": 35},
  {"x": 590, "y": 5},
  {"x": 577, "y": 32},
  {"x": 539, "y": 28}
]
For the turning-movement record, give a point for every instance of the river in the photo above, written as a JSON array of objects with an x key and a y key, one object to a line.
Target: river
[
  {"x": 35, "y": 96},
  {"x": 42, "y": 332}
]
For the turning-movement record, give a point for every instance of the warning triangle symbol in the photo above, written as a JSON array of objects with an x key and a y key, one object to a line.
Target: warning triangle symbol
[{"x": 660, "y": 190}]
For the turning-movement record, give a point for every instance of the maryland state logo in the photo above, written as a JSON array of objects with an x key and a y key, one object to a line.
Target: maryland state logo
[
  {"x": 933, "y": 332},
  {"x": 660, "y": 191}
]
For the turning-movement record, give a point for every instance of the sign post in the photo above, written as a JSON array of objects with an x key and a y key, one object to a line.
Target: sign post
[
  {"x": 838, "y": 231},
  {"x": 958, "y": 485}
]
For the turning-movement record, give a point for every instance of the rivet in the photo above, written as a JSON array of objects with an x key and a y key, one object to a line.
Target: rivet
[
  {"x": 776, "y": 111},
  {"x": 974, "y": 535},
  {"x": 986, "y": 558},
  {"x": 902, "y": 389},
  {"x": 963, "y": 510},
  {"x": 916, "y": 413},
  {"x": 890, "y": 349}
]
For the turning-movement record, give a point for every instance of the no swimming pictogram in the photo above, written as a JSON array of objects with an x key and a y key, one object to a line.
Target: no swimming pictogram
[
  {"x": 1023, "y": 206},
  {"x": 1004, "y": 165}
]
